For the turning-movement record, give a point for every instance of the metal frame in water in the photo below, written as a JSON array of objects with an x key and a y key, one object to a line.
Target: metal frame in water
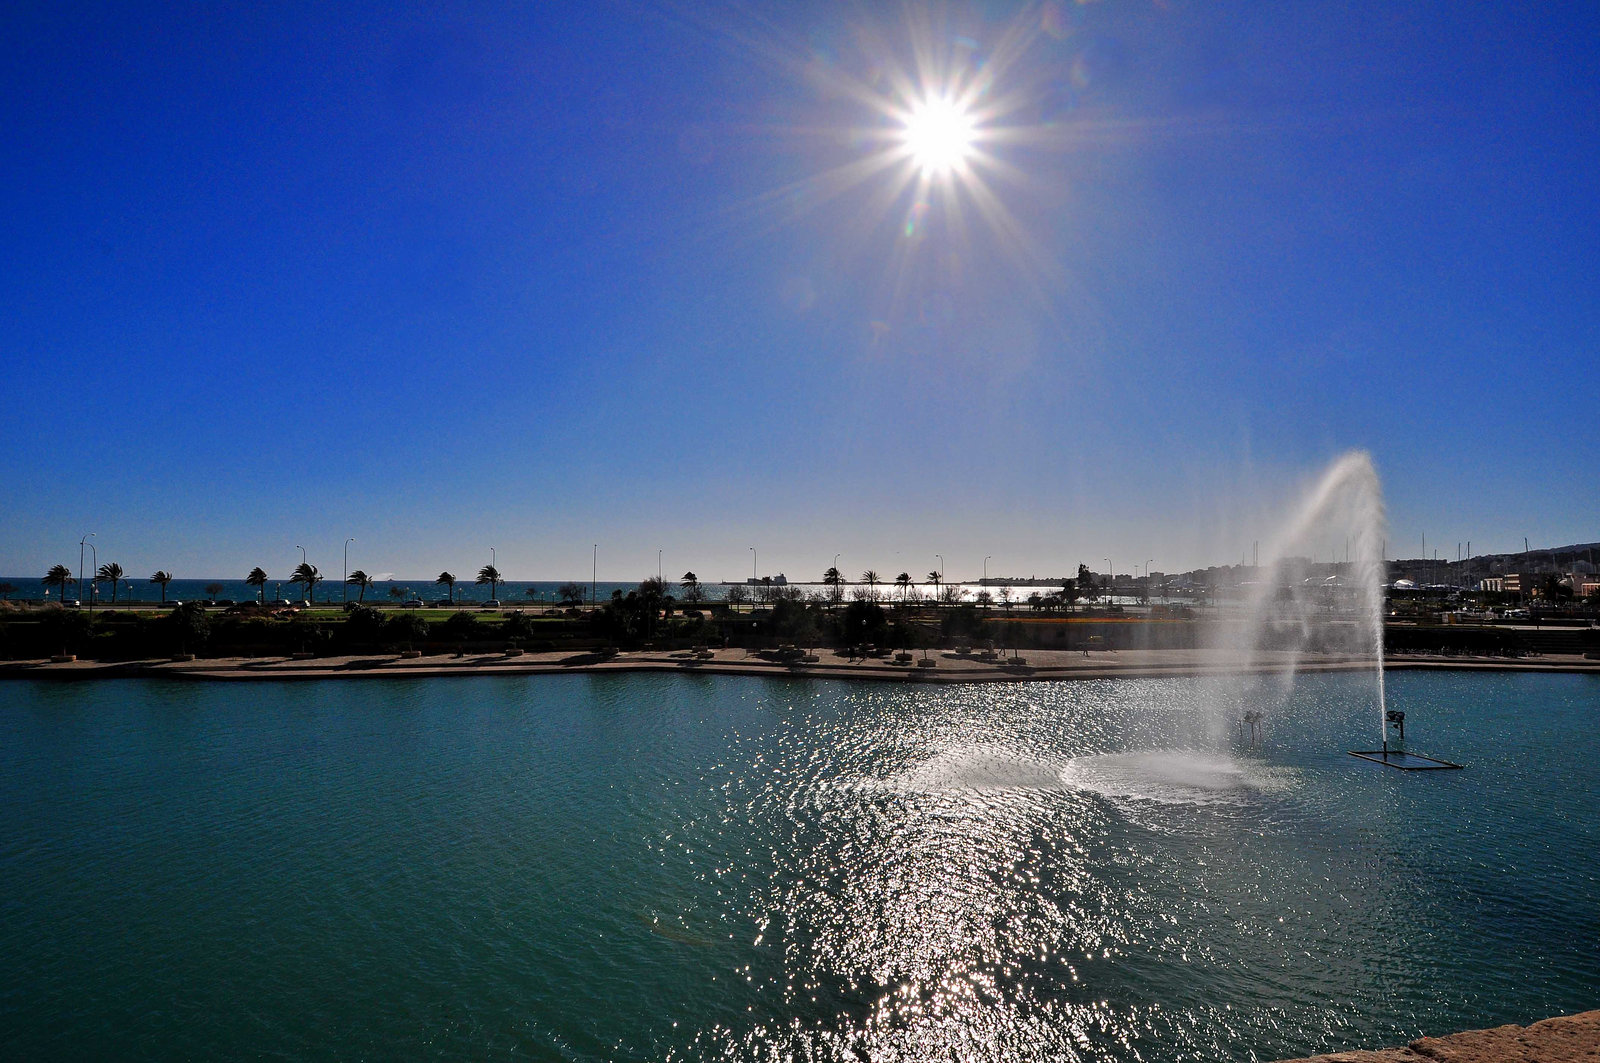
[{"x": 1403, "y": 761}]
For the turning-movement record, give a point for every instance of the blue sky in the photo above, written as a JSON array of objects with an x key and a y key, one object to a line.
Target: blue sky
[{"x": 541, "y": 276}]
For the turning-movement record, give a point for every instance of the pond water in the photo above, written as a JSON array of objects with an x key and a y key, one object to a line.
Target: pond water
[{"x": 689, "y": 867}]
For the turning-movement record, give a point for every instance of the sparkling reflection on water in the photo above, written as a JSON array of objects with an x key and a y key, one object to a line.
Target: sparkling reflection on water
[{"x": 649, "y": 867}]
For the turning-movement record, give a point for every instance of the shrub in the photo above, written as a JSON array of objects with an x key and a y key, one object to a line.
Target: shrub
[
  {"x": 363, "y": 624},
  {"x": 864, "y": 622},
  {"x": 188, "y": 627},
  {"x": 463, "y": 627},
  {"x": 406, "y": 627}
]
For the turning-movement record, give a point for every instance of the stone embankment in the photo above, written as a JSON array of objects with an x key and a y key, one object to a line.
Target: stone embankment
[{"x": 1565, "y": 1039}]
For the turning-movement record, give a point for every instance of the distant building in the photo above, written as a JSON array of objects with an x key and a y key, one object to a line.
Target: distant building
[{"x": 1493, "y": 585}]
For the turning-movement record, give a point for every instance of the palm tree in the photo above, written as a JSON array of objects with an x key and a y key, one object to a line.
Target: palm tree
[
  {"x": 933, "y": 578},
  {"x": 448, "y": 579},
  {"x": 257, "y": 579},
  {"x": 490, "y": 575},
  {"x": 904, "y": 582},
  {"x": 691, "y": 587},
  {"x": 361, "y": 580},
  {"x": 110, "y": 572},
  {"x": 6, "y": 590},
  {"x": 58, "y": 576},
  {"x": 307, "y": 574},
  {"x": 835, "y": 583},
  {"x": 163, "y": 577},
  {"x": 870, "y": 577}
]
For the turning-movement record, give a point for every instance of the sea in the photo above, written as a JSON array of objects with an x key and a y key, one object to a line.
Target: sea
[
  {"x": 532, "y": 593},
  {"x": 697, "y": 867}
]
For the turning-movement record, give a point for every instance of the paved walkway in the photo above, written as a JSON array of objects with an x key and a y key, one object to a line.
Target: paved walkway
[{"x": 945, "y": 667}]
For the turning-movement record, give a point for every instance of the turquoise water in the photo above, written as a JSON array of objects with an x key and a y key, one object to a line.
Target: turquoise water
[{"x": 687, "y": 867}]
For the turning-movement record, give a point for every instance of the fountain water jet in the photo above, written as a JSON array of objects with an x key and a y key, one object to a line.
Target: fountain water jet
[
  {"x": 1296, "y": 612},
  {"x": 1294, "y": 607}
]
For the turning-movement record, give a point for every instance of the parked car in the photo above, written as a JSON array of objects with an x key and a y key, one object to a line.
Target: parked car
[
  {"x": 442, "y": 603},
  {"x": 492, "y": 603},
  {"x": 411, "y": 603},
  {"x": 71, "y": 603}
]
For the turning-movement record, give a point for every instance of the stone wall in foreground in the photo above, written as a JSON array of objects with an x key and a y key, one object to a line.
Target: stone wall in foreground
[{"x": 1565, "y": 1039}]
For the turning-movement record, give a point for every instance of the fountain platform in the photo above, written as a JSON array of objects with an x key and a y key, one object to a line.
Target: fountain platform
[{"x": 1393, "y": 758}]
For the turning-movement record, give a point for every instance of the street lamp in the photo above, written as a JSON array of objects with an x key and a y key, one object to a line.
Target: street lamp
[
  {"x": 347, "y": 543},
  {"x": 594, "y": 569},
  {"x": 752, "y": 564},
  {"x": 81, "y": 544},
  {"x": 311, "y": 595},
  {"x": 658, "y": 565},
  {"x": 1111, "y": 581},
  {"x": 986, "y": 558}
]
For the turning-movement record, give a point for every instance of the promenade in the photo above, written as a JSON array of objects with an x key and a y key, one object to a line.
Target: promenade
[{"x": 942, "y": 666}]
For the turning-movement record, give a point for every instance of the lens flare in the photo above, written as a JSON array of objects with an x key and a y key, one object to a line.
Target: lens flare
[{"x": 939, "y": 136}]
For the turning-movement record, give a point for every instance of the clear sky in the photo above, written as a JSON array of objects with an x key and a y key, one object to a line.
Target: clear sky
[{"x": 543, "y": 275}]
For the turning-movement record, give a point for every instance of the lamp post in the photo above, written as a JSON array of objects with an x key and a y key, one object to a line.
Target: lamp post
[
  {"x": 347, "y": 543},
  {"x": 752, "y": 564},
  {"x": 1111, "y": 582},
  {"x": 594, "y": 570},
  {"x": 311, "y": 593},
  {"x": 941, "y": 568},
  {"x": 658, "y": 565},
  {"x": 986, "y": 558},
  {"x": 94, "y": 567},
  {"x": 81, "y": 544}
]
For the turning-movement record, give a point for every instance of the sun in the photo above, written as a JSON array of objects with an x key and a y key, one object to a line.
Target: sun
[{"x": 939, "y": 136}]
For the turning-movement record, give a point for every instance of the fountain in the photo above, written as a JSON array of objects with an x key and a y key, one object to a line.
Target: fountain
[
  {"x": 1303, "y": 608},
  {"x": 1332, "y": 612}
]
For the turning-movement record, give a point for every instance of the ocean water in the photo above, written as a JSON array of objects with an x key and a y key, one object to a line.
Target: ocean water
[
  {"x": 332, "y": 590},
  {"x": 532, "y": 593},
  {"x": 692, "y": 867}
]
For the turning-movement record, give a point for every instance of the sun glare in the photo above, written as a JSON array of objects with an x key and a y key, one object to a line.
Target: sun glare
[{"x": 939, "y": 136}]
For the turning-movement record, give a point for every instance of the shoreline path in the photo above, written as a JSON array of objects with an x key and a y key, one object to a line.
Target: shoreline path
[{"x": 947, "y": 666}]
